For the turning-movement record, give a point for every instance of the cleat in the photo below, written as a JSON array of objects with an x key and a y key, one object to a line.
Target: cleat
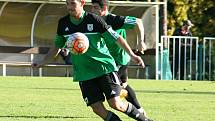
[
  {"x": 141, "y": 110},
  {"x": 148, "y": 120}
]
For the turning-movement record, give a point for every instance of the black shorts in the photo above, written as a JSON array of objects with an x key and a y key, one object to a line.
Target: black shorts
[
  {"x": 123, "y": 73},
  {"x": 93, "y": 90}
]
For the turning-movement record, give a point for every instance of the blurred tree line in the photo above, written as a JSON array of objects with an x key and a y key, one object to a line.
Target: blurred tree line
[{"x": 200, "y": 12}]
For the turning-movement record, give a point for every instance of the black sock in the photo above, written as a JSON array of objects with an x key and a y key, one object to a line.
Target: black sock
[
  {"x": 112, "y": 117},
  {"x": 132, "y": 97},
  {"x": 134, "y": 113}
]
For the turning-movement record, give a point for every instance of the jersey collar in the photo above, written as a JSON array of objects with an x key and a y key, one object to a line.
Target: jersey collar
[{"x": 75, "y": 21}]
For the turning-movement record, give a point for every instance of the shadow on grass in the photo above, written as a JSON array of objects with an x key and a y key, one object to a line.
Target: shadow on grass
[
  {"x": 53, "y": 117},
  {"x": 184, "y": 91},
  {"x": 175, "y": 92}
]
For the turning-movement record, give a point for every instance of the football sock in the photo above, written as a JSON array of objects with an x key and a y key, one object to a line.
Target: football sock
[
  {"x": 134, "y": 113},
  {"x": 112, "y": 117},
  {"x": 141, "y": 110},
  {"x": 132, "y": 97}
]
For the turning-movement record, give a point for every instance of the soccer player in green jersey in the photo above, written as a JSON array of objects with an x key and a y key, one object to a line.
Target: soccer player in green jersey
[
  {"x": 119, "y": 24},
  {"x": 95, "y": 69}
]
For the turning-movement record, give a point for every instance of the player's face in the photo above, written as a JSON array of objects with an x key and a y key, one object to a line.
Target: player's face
[
  {"x": 97, "y": 9},
  {"x": 75, "y": 7}
]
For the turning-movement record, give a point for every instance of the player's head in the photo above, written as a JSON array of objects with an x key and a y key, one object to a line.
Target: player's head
[
  {"x": 75, "y": 7},
  {"x": 100, "y": 7}
]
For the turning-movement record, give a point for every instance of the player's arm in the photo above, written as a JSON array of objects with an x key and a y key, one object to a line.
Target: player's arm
[
  {"x": 52, "y": 53},
  {"x": 130, "y": 22},
  {"x": 123, "y": 44},
  {"x": 139, "y": 28},
  {"x": 111, "y": 35},
  {"x": 136, "y": 24},
  {"x": 48, "y": 57}
]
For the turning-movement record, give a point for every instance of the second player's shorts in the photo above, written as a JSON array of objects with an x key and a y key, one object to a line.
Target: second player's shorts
[
  {"x": 93, "y": 90},
  {"x": 123, "y": 73}
]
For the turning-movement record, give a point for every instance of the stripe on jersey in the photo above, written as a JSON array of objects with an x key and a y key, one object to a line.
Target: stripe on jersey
[
  {"x": 130, "y": 21},
  {"x": 94, "y": 33},
  {"x": 113, "y": 33}
]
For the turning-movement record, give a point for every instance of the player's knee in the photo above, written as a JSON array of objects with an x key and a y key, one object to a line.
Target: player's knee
[{"x": 117, "y": 105}]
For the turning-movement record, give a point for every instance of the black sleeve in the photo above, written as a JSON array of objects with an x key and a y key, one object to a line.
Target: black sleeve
[
  {"x": 115, "y": 21},
  {"x": 62, "y": 23},
  {"x": 59, "y": 27},
  {"x": 101, "y": 25}
]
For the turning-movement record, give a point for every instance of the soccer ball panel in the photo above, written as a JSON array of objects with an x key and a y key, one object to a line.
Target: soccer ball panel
[{"x": 78, "y": 43}]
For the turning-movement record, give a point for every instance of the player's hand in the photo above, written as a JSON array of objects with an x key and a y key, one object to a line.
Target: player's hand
[
  {"x": 137, "y": 52},
  {"x": 65, "y": 52},
  {"x": 36, "y": 65},
  {"x": 138, "y": 60}
]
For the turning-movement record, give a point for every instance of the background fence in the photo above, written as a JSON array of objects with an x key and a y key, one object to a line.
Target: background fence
[{"x": 186, "y": 58}]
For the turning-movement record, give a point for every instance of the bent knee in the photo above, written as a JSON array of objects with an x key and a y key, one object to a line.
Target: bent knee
[{"x": 117, "y": 104}]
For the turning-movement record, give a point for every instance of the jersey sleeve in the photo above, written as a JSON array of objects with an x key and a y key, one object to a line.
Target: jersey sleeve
[
  {"x": 121, "y": 22},
  {"x": 101, "y": 24},
  {"x": 115, "y": 21},
  {"x": 59, "y": 41},
  {"x": 129, "y": 22},
  {"x": 110, "y": 34},
  {"x": 106, "y": 30}
]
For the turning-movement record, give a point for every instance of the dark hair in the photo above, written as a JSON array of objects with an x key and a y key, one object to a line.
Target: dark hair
[{"x": 101, "y": 3}]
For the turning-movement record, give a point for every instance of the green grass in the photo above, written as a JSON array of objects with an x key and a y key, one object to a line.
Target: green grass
[{"x": 59, "y": 99}]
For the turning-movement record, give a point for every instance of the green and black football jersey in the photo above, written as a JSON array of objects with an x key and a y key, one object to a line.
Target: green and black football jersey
[
  {"x": 97, "y": 60},
  {"x": 119, "y": 24}
]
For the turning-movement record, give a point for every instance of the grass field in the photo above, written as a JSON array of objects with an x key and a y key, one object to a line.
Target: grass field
[{"x": 59, "y": 99}]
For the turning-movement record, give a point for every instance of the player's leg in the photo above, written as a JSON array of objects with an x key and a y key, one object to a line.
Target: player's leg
[
  {"x": 131, "y": 96},
  {"x": 133, "y": 99},
  {"x": 93, "y": 96},
  {"x": 99, "y": 109},
  {"x": 111, "y": 87}
]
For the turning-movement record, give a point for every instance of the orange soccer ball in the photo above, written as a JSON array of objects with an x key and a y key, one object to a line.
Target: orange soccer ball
[{"x": 78, "y": 43}]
